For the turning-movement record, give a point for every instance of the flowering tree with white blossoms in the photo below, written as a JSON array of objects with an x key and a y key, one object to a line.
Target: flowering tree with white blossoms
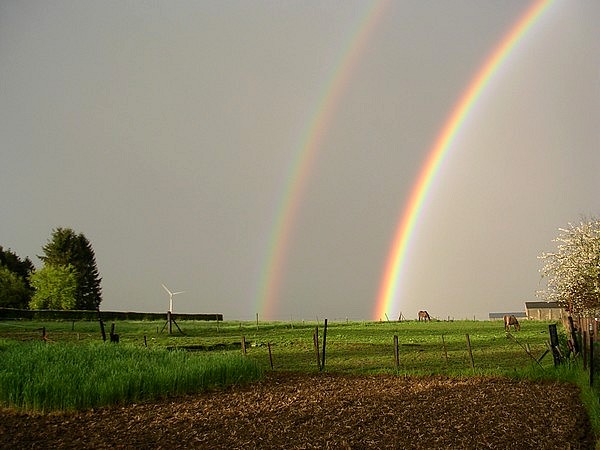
[{"x": 573, "y": 271}]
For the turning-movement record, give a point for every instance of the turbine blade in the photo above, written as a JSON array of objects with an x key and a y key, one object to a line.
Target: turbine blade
[
  {"x": 180, "y": 292},
  {"x": 167, "y": 289}
]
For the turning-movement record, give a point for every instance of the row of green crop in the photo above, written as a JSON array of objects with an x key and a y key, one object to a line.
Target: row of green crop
[{"x": 63, "y": 376}]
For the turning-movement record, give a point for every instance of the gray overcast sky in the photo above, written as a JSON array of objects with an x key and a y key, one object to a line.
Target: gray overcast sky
[{"x": 165, "y": 131}]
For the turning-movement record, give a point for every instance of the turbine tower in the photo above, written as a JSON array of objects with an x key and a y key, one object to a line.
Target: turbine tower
[{"x": 171, "y": 294}]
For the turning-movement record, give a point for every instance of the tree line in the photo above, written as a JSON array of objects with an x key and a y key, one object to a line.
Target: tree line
[{"x": 68, "y": 280}]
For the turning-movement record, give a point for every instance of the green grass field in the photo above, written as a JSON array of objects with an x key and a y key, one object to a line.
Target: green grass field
[{"x": 357, "y": 347}]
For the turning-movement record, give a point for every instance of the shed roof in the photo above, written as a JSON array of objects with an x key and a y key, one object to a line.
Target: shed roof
[{"x": 542, "y": 305}]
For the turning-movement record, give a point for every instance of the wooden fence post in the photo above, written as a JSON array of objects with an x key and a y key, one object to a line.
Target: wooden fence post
[
  {"x": 585, "y": 348},
  {"x": 113, "y": 337},
  {"x": 102, "y": 325},
  {"x": 102, "y": 331},
  {"x": 244, "y": 345},
  {"x": 445, "y": 349},
  {"x": 470, "y": 352},
  {"x": 592, "y": 361},
  {"x": 324, "y": 342},
  {"x": 270, "y": 355},
  {"x": 316, "y": 344},
  {"x": 554, "y": 344},
  {"x": 396, "y": 352},
  {"x": 573, "y": 335}
]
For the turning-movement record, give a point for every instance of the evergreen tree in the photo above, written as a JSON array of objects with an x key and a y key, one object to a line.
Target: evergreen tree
[
  {"x": 68, "y": 248},
  {"x": 15, "y": 291}
]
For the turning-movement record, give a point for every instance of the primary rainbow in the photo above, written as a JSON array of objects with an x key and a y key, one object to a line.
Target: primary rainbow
[
  {"x": 388, "y": 291},
  {"x": 271, "y": 276}
]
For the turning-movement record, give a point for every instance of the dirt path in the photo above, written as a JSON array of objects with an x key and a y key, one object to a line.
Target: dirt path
[{"x": 326, "y": 411}]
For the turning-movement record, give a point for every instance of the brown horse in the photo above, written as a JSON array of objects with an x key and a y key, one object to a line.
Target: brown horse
[
  {"x": 511, "y": 320},
  {"x": 424, "y": 315}
]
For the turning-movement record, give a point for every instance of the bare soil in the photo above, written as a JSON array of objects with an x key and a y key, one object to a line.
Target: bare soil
[{"x": 295, "y": 411}]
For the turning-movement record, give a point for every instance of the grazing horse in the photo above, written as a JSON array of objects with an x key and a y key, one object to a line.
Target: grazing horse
[
  {"x": 511, "y": 320},
  {"x": 424, "y": 315}
]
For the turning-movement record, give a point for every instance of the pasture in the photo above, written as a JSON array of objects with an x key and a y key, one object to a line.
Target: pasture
[{"x": 351, "y": 347}]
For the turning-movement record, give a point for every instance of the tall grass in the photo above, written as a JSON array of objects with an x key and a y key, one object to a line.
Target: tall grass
[
  {"x": 573, "y": 373},
  {"x": 66, "y": 376}
]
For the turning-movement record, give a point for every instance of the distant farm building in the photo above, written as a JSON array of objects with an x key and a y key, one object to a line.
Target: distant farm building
[
  {"x": 544, "y": 311},
  {"x": 500, "y": 315}
]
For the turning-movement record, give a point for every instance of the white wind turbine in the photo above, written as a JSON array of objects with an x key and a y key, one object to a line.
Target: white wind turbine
[{"x": 171, "y": 294}]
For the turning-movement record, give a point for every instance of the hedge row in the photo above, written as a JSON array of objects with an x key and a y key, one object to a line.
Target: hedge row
[{"x": 46, "y": 314}]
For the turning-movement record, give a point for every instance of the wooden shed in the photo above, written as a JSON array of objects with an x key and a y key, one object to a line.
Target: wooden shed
[{"x": 544, "y": 311}]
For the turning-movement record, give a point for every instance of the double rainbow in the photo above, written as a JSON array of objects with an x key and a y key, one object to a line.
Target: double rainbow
[{"x": 288, "y": 206}]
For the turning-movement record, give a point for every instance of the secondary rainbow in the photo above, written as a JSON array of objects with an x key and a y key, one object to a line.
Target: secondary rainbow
[
  {"x": 388, "y": 291},
  {"x": 272, "y": 274}
]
